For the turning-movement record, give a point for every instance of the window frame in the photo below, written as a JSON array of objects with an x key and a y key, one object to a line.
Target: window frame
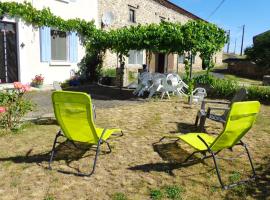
[
  {"x": 63, "y": 1},
  {"x": 162, "y": 19},
  {"x": 193, "y": 58},
  {"x": 179, "y": 60},
  {"x": 67, "y": 60},
  {"x": 133, "y": 11},
  {"x": 136, "y": 57}
]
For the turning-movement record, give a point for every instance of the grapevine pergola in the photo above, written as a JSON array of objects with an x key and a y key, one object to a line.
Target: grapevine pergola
[{"x": 194, "y": 36}]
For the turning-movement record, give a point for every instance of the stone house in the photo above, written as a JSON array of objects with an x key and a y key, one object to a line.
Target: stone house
[{"x": 132, "y": 12}]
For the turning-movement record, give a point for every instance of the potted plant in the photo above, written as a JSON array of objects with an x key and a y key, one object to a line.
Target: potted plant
[{"x": 38, "y": 81}]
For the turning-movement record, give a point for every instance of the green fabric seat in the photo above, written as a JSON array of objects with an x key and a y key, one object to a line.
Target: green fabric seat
[
  {"x": 239, "y": 121},
  {"x": 193, "y": 140},
  {"x": 74, "y": 114}
]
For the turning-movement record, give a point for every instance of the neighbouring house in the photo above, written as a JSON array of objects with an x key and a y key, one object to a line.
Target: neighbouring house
[
  {"x": 26, "y": 51},
  {"x": 132, "y": 12}
]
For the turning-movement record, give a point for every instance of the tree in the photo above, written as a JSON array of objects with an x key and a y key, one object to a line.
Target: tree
[{"x": 260, "y": 51}]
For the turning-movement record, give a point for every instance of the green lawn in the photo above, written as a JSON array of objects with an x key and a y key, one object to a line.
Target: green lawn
[{"x": 137, "y": 169}]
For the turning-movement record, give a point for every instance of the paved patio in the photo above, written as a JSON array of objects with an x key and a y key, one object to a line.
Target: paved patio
[{"x": 102, "y": 96}]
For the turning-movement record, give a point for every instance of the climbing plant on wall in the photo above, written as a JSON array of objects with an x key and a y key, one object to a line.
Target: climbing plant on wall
[{"x": 194, "y": 36}]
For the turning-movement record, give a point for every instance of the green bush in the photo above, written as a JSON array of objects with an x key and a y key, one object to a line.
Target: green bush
[
  {"x": 223, "y": 88},
  {"x": 109, "y": 72},
  {"x": 14, "y": 106},
  {"x": 217, "y": 87},
  {"x": 204, "y": 79},
  {"x": 260, "y": 51},
  {"x": 90, "y": 65},
  {"x": 259, "y": 93}
]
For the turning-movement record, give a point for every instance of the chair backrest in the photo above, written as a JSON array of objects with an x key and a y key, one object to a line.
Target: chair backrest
[
  {"x": 73, "y": 112},
  {"x": 240, "y": 95},
  {"x": 57, "y": 86},
  {"x": 240, "y": 119},
  {"x": 199, "y": 94}
]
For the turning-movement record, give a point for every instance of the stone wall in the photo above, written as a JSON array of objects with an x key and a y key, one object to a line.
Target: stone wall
[
  {"x": 147, "y": 11},
  {"x": 246, "y": 68}
]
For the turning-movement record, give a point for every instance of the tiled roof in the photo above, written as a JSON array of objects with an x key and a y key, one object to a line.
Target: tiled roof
[{"x": 170, "y": 5}]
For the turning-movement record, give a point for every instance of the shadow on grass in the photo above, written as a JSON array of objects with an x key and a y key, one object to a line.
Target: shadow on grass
[
  {"x": 258, "y": 189},
  {"x": 175, "y": 156},
  {"x": 186, "y": 128},
  {"x": 45, "y": 121},
  {"x": 261, "y": 190},
  {"x": 64, "y": 151},
  {"x": 102, "y": 92}
]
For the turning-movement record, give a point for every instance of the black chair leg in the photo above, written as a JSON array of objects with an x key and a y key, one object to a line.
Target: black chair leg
[
  {"x": 95, "y": 159},
  {"x": 53, "y": 148},
  {"x": 197, "y": 120},
  {"x": 109, "y": 147},
  {"x": 202, "y": 122},
  {"x": 250, "y": 160},
  {"x": 217, "y": 170}
]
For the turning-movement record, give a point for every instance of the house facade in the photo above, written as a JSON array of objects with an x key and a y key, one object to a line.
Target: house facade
[
  {"x": 26, "y": 51},
  {"x": 134, "y": 12}
]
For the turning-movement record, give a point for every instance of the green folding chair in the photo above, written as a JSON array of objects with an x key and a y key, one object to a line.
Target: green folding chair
[
  {"x": 239, "y": 121},
  {"x": 74, "y": 114}
]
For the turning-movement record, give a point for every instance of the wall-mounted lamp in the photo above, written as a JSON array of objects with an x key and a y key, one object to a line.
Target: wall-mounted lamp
[{"x": 22, "y": 45}]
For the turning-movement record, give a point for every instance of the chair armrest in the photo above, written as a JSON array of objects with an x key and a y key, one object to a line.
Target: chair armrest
[
  {"x": 215, "y": 108},
  {"x": 218, "y": 108},
  {"x": 204, "y": 102}
]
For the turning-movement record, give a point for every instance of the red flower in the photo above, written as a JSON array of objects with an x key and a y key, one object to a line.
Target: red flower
[
  {"x": 21, "y": 87},
  {"x": 18, "y": 85},
  {"x": 2, "y": 109},
  {"x": 25, "y": 88}
]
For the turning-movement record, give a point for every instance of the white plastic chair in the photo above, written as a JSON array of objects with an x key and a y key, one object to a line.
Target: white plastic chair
[
  {"x": 157, "y": 84},
  {"x": 144, "y": 83},
  {"x": 198, "y": 94}
]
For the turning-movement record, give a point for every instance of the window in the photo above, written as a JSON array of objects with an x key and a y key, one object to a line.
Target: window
[
  {"x": 132, "y": 17},
  {"x": 181, "y": 58},
  {"x": 59, "y": 45},
  {"x": 193, "y": 59},
  {"x": 162, "y": 19},
  {"x": 64, "y": 1},
  {"x": 135, "y": 57}
]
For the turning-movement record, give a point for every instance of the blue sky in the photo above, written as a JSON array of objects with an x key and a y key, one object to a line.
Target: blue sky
[{"x": 255, "y": 14}]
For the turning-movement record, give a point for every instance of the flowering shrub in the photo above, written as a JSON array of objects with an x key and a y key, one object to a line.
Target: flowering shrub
[
  {"x": 13, "y": 106},
  {"x": 38, "y": 80}
]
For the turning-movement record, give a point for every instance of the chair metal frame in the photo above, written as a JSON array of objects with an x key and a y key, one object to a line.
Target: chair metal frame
[
  {"x": 204, "y": 114},
  {"x": 100, "y": 142},
  {"x": 212, "y": 154}
]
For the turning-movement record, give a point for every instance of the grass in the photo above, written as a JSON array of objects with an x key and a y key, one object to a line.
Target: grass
[
  {"x": 49, "y": 198},
  {"x": 174, "y": 192},
  {"x": 242, "y": 80},
  {"x": 135, "y": 165},
  {"x": 170, "y": 192},
  {"x": 156, "y": 194},
  {"x": 119, "y": 196}
]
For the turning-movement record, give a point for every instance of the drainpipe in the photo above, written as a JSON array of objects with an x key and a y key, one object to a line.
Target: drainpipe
[
  {"x": 177, "y": 60},
  {"x": 190, "y": 76}
]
